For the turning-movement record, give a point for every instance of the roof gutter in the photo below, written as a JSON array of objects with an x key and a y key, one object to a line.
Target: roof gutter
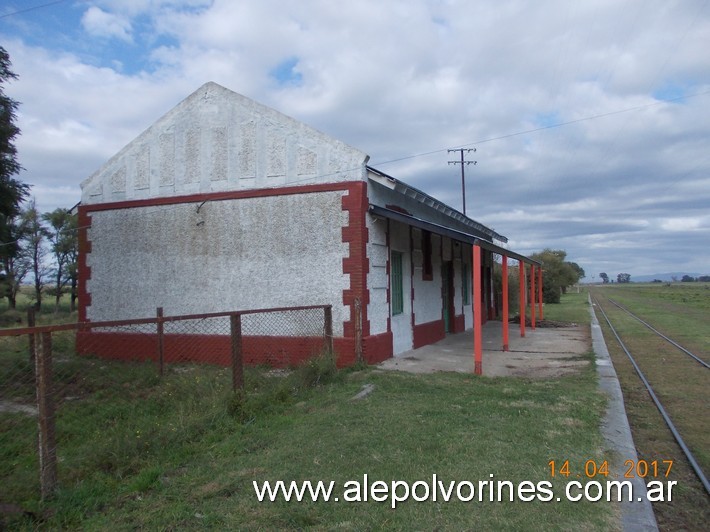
[
  {"x": 426, "y": 199},
  {"x": 446, "y": 231}
]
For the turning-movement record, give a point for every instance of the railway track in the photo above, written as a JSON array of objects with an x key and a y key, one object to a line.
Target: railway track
[
  {"x": 645, "y": 360},
  {"x": 669, "y": 340}
]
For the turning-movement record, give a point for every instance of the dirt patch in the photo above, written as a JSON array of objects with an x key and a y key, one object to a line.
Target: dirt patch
[
  {"x": 17, "y": 408},
  {"x": 545, "y": 324}
]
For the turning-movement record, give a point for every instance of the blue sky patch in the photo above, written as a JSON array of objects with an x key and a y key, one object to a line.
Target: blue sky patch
[
  {"x": 547, "y": 119},
  {"x": 670, "y": 91},
  {"x": 59, "y": 27},
  {"x": 285, "y": 73}
]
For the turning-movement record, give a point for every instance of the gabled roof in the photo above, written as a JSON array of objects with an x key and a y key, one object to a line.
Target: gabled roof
[{"x": 217, "y": 140}]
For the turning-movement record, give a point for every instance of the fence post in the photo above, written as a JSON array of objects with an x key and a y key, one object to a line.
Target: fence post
[
  {"x": 161, "y": 344},
  {"x": 235, "y": 325},
  {"x": 328, "y": 328},
  {"x": 31, "y": 323},
  {"x": 358, "y": 331},
  {"x": 45, "y": 408}
]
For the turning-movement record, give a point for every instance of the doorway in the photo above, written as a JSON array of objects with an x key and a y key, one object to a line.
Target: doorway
[{"x": 447, "y": 295}]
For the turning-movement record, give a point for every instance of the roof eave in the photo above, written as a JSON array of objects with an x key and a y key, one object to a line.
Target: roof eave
[{"x": 426, "y": 199}]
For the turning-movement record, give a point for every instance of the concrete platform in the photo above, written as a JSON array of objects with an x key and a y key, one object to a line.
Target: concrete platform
[{"x": 542, "y": 353}]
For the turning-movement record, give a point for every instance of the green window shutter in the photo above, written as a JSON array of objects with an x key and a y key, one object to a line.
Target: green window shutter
[{"x": 396, "y": 290}]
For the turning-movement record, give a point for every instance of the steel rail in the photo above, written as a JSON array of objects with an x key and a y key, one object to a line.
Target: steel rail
[
  {"x": 700, "y": 360},
  {"x": 679, "y": 439}
]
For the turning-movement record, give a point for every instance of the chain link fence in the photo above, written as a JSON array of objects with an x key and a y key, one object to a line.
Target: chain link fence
[{"x": 54, "y": 380}]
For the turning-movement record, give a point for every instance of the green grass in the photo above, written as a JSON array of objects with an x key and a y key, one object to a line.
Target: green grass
[
  {"x": 47, "y": 315},
  {"x": 679, "y": 310},
  {"x": 136, "y": 451},
  {"x": 572, "y": 308}
]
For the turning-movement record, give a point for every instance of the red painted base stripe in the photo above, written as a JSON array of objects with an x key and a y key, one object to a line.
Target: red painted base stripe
[
  {"x": 274, "y": 351},
  {"x": 428, "y": 333}
]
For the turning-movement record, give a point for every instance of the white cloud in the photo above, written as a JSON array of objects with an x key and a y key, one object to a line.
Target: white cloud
[
  {"x": 402, "y": 78},
  {"x": 100, "y": 23},
  {"x": 684, "y": 223}
]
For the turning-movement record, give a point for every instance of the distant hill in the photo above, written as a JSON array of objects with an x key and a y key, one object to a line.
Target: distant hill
[{"x": 662, "y": 277}]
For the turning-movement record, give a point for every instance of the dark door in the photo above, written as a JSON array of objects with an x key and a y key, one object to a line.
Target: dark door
[{"x": 447, "y": 294}]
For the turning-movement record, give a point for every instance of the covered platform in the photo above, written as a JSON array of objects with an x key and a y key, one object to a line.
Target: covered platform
[
  {"x": 530, "y": 275},
  {"x": 541, "y": 353}
]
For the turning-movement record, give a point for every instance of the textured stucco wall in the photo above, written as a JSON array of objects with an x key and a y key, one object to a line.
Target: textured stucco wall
[
  {"x": 402, "y": 333},
  {"x": 217, "y": 140},
  {"x": 377, "y": 278},
  {"x": 218, "y": 256}
]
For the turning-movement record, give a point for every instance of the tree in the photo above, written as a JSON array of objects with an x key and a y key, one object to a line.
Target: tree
[
  {"x": 73, "y": 261},
  {"x": 557, "y": 274},
  {"x": 604, "y": 277},
  {"x": 64, "y": 244},
  {"x": 33, "y": 236},
  {"x": 687, "y": 279},
  {"x": 12, "y": 191},
  {"x": 15, "y": 265},
  {"x": 623, "y": 278},
  {"x": 576, "y": 274}
]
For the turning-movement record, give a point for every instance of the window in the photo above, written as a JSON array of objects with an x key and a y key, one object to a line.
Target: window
[
  {"x": 427, "y": 269},
  {"x": 396, "y": 290},
  {"x": 465, "y": 276}
]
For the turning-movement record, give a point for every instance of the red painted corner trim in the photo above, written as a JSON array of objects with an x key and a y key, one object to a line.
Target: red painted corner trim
[
  {"x": 356, "y": 265},
  {"x": 83, "y": 269}
]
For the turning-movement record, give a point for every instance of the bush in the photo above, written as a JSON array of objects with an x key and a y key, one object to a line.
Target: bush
[
  {"x": 10, "y": 317},
  {"x": 551, "y": 292},
  {"x": 316, "y": 371},
  {"x": 239, "y": 408},
  {"x": 270, "y": 393}
]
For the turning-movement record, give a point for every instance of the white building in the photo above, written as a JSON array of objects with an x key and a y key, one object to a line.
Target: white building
[{"x": 224, "y": 204}]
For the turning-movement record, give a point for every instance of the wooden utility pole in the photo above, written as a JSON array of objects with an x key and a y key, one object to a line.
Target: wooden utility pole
[{"x": 463, "y": 164}]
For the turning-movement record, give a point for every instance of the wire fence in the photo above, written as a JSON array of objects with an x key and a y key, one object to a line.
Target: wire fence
[{"x": 53, "y": 378}]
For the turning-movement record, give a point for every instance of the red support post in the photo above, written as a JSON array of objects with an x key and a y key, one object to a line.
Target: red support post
[
  {"x": 505, "y": 303},
  {"x": 477, "y": 316},
  {"x": 532, "y": 297},
  {"x": 539, "y": 292},
  {"x": 521, "y": 268}
]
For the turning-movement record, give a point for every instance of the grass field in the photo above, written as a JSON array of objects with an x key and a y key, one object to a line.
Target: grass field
[
  {"x": 25, "y": 299},
  {"x": 181, "y": 452},
  {"x": 682, "y": 312}
]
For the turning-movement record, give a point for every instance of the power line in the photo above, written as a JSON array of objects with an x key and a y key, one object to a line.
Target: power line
[
  {"x": 551, "y": 126},
  {"x": 33, "y": 8}
]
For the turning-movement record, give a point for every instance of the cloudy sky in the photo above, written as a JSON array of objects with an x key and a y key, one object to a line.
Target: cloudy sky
[{"x": 591, "y": 118}]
